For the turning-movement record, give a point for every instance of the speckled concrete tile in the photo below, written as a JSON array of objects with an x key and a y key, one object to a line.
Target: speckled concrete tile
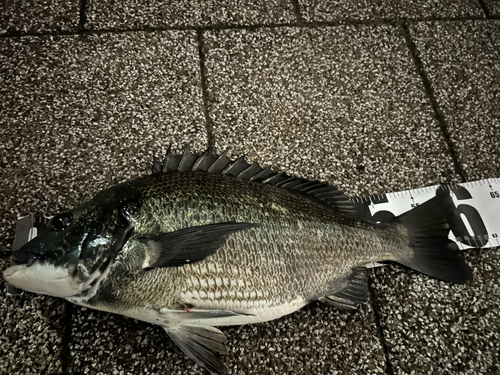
[
  {"x": 189, "y": 13},
  {"x": 462, "y": 62},
  {"x": 31, "y": 333},
  {"x": 342, "y": 104},
  {"x": 431, "y": 327},
  {"x": 80, "y": 113},
  {"x": 316, "y": 340},
  {"x": 333, "y": 10},
  {"x": 438, "y": 328},
  {"x": 493, "y": 7},
  {"x": 18, "y": 16}
]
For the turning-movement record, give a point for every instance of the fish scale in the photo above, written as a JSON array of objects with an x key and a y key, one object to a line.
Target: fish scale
[{"x": 286, "y": 264}]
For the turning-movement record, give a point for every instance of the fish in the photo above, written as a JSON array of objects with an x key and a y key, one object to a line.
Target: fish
[{"x": 205, "y": 241}]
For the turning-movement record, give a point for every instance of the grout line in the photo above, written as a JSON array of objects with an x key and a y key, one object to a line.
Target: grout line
[
  {"x": 83, "y": 15},
  {"x": 388, "y": 367},
  {"x": 484, "y": 8},
  {"x": 67, "y": 338},
  {"x": 333, "y": 23},
  {"x": 204, "y": 89},
  {"x": 296, "y": 10},
  {"x": 438, "y": 115}
]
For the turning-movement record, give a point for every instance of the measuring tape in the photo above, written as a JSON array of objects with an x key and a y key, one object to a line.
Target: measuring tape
[{"x": 473, "y": 213}]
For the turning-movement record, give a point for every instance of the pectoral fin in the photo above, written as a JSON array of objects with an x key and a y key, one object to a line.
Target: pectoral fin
[
  {"x": 188, "y": 245},
  {"x": 202, "y": 344}
]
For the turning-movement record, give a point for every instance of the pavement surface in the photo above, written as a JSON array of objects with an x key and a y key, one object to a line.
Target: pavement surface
[{"x": 369, "y": 96}]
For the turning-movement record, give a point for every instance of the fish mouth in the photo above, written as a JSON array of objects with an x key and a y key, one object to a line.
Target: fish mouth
[
  {"x": 20, "y": 267},
  {"x": 11, "y": 289},
  {"x": 24, "y": 257},
  {"x": 42, "y": 278},
  {"x": 9, "y": 275},
  {"x": 11, "y": 270},
  {"x": 19, "y": 260}
]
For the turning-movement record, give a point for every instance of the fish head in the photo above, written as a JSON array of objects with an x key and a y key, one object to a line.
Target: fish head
[{"x": 77, "y": 248}]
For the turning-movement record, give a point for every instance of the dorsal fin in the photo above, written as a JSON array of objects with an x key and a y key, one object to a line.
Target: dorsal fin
[
  {"x": 319, "y": 192},
  {"x": 187, "y": 161}
]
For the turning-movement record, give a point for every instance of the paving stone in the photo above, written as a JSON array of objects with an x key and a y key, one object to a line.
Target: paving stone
[
  {"x": 334, "y": 10},
  {"x": 316, "y": 340},
  {"x": 81, "y": 113},
  {"x": 343, "y": 105},
  {"x": 17, "y": 16},
  {"x": 439, "y": 328},
  {"x": 188, "y": 13},
  {"x": 462, "y": 62},
  {"x": 31, "y": 333},
  {"x": 431, "y": 327},
  {"x": 493, "y": 7}
]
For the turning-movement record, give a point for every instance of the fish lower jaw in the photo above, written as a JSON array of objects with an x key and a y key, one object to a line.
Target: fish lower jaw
[{"x": 42, "y": 279}]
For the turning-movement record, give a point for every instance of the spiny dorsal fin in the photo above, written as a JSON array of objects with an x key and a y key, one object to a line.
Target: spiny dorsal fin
[
  {"x": 320, "y": 192},
  {"x": 187, "y": 161}
]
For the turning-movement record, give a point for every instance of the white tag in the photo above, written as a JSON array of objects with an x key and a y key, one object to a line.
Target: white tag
[{"x": 33, "y": 232}]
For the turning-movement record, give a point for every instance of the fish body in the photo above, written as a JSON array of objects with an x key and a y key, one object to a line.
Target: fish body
[
  {"x": 299, "y": 251},
  {"x": 205, "y": 242}
]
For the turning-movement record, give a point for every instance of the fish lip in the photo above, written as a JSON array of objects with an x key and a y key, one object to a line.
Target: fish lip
[
  {"x": 12, "y": 270},
  {"x": 43, "y": 279},
  {"x": 23, "y": 256},
  {"x": 15, "y": 262}
]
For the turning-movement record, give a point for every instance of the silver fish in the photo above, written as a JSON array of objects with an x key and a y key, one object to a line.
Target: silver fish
[{"x": 205, "y": 241}]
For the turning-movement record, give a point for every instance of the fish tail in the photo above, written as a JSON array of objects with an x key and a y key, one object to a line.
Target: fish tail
[{"x": 433, "y": 253}]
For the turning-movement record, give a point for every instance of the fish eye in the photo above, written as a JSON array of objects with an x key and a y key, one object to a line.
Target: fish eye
[{"x": 61, "y": 221}]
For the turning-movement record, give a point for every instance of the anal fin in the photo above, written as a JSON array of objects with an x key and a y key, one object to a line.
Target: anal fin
[
  {"x": 353, "y": 294},
  {"x": 202, "y": 344}
]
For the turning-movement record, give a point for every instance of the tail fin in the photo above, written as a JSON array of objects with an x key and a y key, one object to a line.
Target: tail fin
[{"x": 433, "y": 253}]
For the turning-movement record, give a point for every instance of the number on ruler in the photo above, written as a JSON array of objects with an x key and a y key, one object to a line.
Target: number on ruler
[
  {"x": 382, "y": 216},
  {"x": 457, "y": 225}
]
